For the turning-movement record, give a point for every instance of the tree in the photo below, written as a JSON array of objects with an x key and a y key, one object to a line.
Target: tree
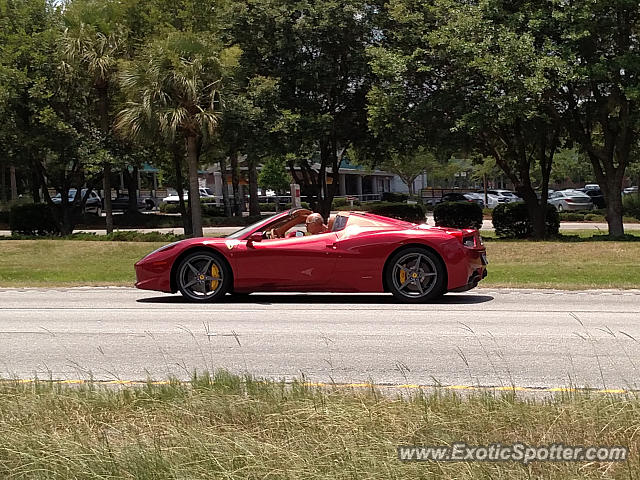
[
  {"x": 248, "y": 119},
  {"x": 502, "y": 73},
  {"x": 600, "y": 43},
  {"x": 174, "y": 87},
  {"x": 409, "y": 166},
  {"x": 92, "y": 42},
  {"x": 317, "y": 51},
  {"x": 274, "y": 175}
]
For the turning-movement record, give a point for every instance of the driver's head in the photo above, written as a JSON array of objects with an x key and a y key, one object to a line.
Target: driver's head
[{"x": 315, "y": 224}]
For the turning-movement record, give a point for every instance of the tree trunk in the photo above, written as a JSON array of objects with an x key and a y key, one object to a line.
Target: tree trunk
[
  {"x": 235, "y": 180},
  {"x": 225, "y": 187},
  {"x": 610, "y": 180},
  {"x": 254, "y": 205},
  {"x": 35, "y": 187},
  {"x": 186, "y": 218},
  {"x": 613, "y": 197},
  {"x": 131, "y": 180},
  {"x": 194, "y": 187},
  {"x": 3, "y": 184},
  {"x": 106, "y": 185},
  {"x": 14, "y": 184}
]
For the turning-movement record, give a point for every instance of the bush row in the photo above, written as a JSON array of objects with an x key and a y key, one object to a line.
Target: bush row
[
  {"x": 511, "y": 220},
  {"x": 631, "y": 205}
]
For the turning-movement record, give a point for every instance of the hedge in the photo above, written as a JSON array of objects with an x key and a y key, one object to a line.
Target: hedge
[
  {"x": 631, "y": 205},
  {"x": 458, "y": 215},
  {"x": 32, "y": 219},
  {"x": 411, "y": 213},
  {"x": 511, "y": 220}
]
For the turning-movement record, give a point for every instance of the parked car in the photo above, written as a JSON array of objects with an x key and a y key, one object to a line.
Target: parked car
[
  {"x": 596, "y": 195},
  {"x": 93, "y": 205},
  {"x": 475, "y": 197},
  {"x": 121, "y": 202},
  {"x": 570, "y": 200},
  {"x": 630, "y": 190},
  {"x": 361, "y": 252},
  {"x": 508, "y": 194},
  {"x": 592, "y": 186},
  {"x": 204, "y": 193},
  {"x": 453, "y": 197},
  {"x": 493, "y": 200}
]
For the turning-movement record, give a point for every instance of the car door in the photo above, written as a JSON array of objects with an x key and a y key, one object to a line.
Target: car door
[{"x": 295, "y": 264}]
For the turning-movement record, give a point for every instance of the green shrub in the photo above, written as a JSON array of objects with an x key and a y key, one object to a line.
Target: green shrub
[
  {"x": 572, "y": 217},
  {"x": 339, "y": 202},
  {"x": 169, "y": 208},
  {"x": 631, "y": 205},
  {"x": 511, "y": 220},
  {"x": 32, "y": 219},
  {"x": 392, "y": 197},
  {"x": 402, "y": 211},
  {"x": 212, "y": 210},
  {"x": 592, "y": 217},
  {"x": 4, "y": 217},
  {"x": 458, "y": 215}
]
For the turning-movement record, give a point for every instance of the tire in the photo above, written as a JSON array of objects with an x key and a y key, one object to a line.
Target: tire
[
  {"x": 560, "y": 208},
  {"x": 148, "y": 205},
  {"x": 416, "y": 275},
  {"x": 203, "y": 277},
  {"x": 98, "y": 212}
]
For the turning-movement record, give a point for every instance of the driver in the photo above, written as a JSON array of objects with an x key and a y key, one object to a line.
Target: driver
[{"x": 315, "y": 224}]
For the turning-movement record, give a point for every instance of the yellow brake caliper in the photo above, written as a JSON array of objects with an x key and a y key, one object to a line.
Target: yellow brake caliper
[
  {"x": 403, "y": 276},
  {"x": 215, "y": 272}
]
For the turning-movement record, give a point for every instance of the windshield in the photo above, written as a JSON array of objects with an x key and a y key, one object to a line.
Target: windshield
[{"x": 253, "y": 226}]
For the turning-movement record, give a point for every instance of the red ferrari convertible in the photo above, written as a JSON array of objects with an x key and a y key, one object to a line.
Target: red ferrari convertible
[{"x": 359, "y": 252}]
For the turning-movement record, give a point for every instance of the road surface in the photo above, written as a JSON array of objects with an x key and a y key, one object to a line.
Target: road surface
[{"x": 486, "y": 337}]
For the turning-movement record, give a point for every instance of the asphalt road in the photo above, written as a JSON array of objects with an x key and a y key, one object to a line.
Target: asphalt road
[{"x": 527, "y": 338}]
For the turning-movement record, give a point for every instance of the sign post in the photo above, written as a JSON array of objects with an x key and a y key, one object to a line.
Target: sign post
[{"x": 295, "y": 196}]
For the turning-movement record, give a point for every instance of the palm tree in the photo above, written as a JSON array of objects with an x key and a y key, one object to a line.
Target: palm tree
[
  {"x": 96, "y": 53},
  {"x": 173, "y": 88}
]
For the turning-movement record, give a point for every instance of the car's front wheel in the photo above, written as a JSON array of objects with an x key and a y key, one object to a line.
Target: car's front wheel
[
  {"x": 203, "y": 277},
  {"x": 416, "y": 275}
]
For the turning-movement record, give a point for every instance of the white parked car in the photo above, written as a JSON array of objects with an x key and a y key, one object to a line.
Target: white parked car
[
  {"x": 507, "y": 194},
  {"x": 630, "y": 190},
  {"x": 205, "y": 192},
  {"x": 570, "y": 201}
]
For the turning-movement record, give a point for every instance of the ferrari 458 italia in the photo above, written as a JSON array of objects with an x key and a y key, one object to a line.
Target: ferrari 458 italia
[{"x": 358, "y": 252}]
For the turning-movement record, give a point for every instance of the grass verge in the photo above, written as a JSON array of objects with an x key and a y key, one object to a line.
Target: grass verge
[
  {"x": 575, "y": 265},
  {"x": 223, "y": 426}
]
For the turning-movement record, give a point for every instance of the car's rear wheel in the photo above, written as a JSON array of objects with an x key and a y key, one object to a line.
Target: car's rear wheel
[
  {"x": 203, "y": 277},
  {"x": 416, "y": 275},
  {"x": 560, "y": 208}
]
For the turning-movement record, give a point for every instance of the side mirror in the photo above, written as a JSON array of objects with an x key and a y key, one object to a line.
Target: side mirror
[{"x": 255, "y": 237}]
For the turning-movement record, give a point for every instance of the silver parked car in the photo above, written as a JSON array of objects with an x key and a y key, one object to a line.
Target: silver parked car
[{"x": 570, "y": 201}]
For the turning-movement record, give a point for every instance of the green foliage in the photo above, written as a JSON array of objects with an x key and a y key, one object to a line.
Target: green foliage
[
  {"x": 458, "y": 215},
  {"x": 511, "y": 220},
  {"x": 402, "y": 211},
  {"x": 572, "y": 216},
  {"x": 631, "y": 205},
  {"x": 32, "y": 219},
  {"x": 274, "y": 175}
]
